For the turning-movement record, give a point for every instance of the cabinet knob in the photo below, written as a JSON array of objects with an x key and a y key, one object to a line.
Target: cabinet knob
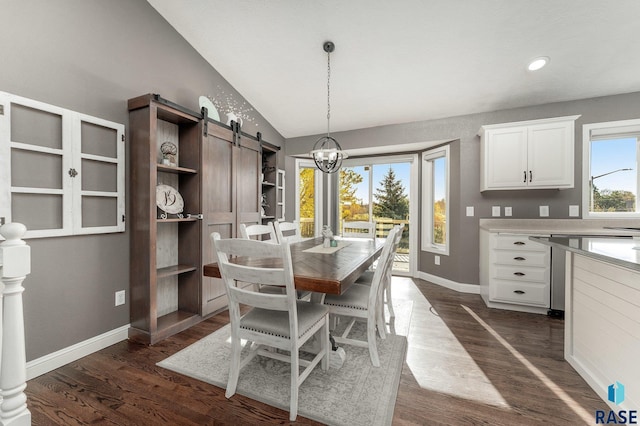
[
  {"x": 519, "y": 258},
  {"x": 520, "y": 274},
  {"x": 518, "y": 291}
]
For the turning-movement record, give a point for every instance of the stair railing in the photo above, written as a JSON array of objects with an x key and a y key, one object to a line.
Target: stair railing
[{"x": 15, "y": 265}]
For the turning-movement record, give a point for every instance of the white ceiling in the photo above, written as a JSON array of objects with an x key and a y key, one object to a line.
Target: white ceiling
[{"x": 409, "y": 60}]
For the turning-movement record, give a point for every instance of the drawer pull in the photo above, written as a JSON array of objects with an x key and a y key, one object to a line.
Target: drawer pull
[
  {"x": 519, "y": 258},
  {"x": 520, "y": 274},
  {"x": 519, "y": 243},
  {"x": 518, "y": 291}
]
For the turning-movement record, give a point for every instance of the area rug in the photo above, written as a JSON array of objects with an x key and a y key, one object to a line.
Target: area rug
[{"x": 356, "y": 394}]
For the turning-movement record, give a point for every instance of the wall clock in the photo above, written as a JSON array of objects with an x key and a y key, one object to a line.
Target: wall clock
[{"x": 169, "y": 200}]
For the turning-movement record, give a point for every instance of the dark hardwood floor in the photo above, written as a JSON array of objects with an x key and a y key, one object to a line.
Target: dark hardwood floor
[{"x": 470, "y": 365}]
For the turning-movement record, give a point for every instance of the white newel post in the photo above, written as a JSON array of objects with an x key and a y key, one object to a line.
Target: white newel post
[{"x": 15, "y": 265}]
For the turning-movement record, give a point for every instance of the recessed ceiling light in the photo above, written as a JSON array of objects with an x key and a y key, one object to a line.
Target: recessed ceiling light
[{"x": 538, "y": 63}]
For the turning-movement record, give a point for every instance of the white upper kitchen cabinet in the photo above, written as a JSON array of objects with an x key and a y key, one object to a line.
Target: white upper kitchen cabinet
[{"x": 536, "y": 154}]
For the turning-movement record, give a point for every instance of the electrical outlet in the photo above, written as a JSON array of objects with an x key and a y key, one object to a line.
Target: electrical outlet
[
  {"x": 544, "y": 211},
  {"x": 508, "y": 211},
  {"x": 470, "y": 211},
  {"x": 574, "y": 211},
  {"x": 120, "y": 297},
  {"x": 436, "y": 259},
  {"x": 495, "y": 211}
]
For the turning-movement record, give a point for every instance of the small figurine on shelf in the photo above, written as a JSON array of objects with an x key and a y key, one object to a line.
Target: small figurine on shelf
[{"x": 169, "y": 152}]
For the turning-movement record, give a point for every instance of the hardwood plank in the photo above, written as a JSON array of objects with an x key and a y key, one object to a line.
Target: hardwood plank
[{"x": 456, "y": 373}]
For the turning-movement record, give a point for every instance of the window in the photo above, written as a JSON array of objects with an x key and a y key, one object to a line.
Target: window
[
  {"x": 435, "y": 200},
  {"x": 308, "y": 198},
  {"x": 610, "y": 169},
  {"x": 61, "y": 172},
  {"x": 381, "y": 189}
]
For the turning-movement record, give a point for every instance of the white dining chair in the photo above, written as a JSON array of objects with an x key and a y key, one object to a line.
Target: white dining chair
[
  {"x": 367, "y": 277},
  {"x": 277, "y": 321},
  {"x": 259, "y": 232},
  {"x": 359, "y": 229},
  {"x": 288, "y": 231},
  {"x": 362, "y": 302}
]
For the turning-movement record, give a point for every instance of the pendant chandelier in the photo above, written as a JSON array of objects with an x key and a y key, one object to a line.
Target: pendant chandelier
[{"x": 327, "y": 152}]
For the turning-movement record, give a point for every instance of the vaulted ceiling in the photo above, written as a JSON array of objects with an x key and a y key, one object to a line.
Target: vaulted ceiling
[{"x": 410, "y": 60}]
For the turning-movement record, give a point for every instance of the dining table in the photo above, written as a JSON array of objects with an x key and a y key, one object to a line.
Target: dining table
[{"x": 322, "y": 270}]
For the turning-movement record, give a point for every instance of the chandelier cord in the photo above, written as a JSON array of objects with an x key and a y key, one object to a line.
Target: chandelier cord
[{"x": 328, "y": 92}]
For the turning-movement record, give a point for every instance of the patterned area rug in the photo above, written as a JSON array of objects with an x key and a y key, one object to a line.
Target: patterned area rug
[{"x": 356, "y": 394}]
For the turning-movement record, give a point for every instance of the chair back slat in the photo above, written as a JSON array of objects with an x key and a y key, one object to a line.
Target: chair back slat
[
  {"x": 288, "y": 231},
  {"x": 246, "y": 296},
  {"x": 359, "y": 229},
  {"x": 259, "y": 232}
]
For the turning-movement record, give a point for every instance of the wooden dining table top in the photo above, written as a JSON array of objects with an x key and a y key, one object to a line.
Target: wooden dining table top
[{"x": 329, "y": 273}]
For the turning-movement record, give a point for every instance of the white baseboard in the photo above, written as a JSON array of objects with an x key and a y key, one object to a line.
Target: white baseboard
[
  {"x": 69, "y": 354},
  {"x": 452, "y": 285}
]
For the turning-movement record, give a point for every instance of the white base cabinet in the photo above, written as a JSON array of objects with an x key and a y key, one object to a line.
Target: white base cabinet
[
  {"x": 602, "y": 326},
  {"x": 514, "y": 272},
  {"x": 536, "y": 154}
]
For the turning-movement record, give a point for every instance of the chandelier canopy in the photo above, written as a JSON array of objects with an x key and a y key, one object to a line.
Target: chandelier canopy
[{"x": 327, "y": 152}]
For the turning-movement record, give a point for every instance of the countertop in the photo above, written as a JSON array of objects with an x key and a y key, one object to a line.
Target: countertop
[
  {"x": 618, "y": 251},
  {"x": 560, "y": 226}
]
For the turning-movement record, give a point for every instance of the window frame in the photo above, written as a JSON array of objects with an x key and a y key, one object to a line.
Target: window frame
[
  {"x": 614, "y": 129},
  {"x": 428, "y": 199},
  {"x": 317, "y": 192}
]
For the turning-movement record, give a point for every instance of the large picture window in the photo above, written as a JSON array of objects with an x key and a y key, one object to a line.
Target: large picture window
[
  {"x": 610, "y": 169},
  {"x": 435, "y": 200}
]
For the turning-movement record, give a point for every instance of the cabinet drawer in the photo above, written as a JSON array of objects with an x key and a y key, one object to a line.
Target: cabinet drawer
[
  {"x": 518, "y": 242},
  {"x": 521, "y": 258},
  {"x": 521, "y": 273},
  {"x": 520, "y": 292}
]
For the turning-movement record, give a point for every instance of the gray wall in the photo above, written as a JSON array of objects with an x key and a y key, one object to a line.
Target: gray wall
[
  {"x": 462, "y": 263},
  {"x": 91, "y": 56}
]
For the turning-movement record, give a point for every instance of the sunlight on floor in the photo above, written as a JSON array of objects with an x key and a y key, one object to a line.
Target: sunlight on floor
[
  {"x": 562, "y": 395},
  {"x": 429, "y": 355}
]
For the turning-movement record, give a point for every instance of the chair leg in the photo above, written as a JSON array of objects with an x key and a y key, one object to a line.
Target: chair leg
[
  {"x": 234, "y": 369},
  {"x": 387, "y": 291},
  {"x": 371, "y": 340},
  {"x": 295, "y": 373},
  {"x": 380, "y": 320},
  {"x": 324, "y": 336}
]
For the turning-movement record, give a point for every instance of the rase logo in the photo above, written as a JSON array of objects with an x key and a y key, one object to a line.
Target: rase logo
[{"x": 615, "y": 394}]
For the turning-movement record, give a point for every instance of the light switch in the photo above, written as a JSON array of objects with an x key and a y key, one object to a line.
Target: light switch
[
  {"x": 495, "y": 211},
  {"x": 436, "y": 259},
  {"x": 574, "y": 211},
  {"x": 544, "y": 211},
  {"x": 508, "y": 211},
  {"x": 470, "y": 211}
]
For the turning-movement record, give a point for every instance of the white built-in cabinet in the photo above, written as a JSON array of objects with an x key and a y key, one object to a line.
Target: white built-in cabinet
[
  {"x": 515, "y": 272},
  {"x": 536, "y": 154}
]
